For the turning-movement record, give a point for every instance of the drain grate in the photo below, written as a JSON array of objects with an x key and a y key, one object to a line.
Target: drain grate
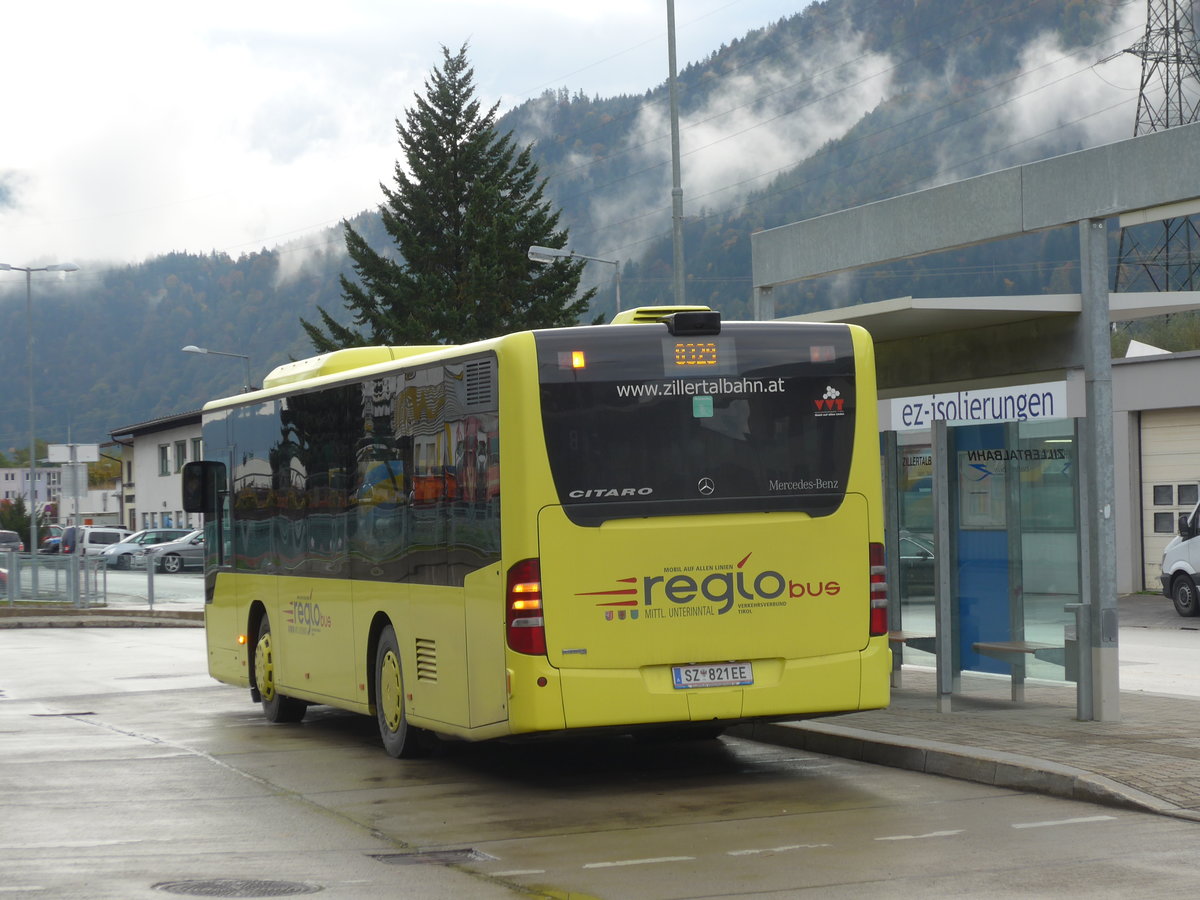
[
  {"x": 237, "y": 887},
  {"x": 431, "y": 857}
]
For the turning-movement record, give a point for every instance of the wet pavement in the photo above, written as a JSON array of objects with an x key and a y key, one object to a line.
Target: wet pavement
[{"x": 1149, "y": 759}]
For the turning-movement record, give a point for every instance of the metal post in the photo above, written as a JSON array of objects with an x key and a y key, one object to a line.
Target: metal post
[
  {"x": 1097, "y": 459},
  {"x": 33, "y": 566},
  {"x": 891, "y": 544},
  {"x": 1083, "y": 615},
  {"x": 29, "y": 270},
  {"x": 764, "y": 304},
  {"x": 14, "y": 577},
  {"x": 73, "y": 580},
  {"x": 947, "y": 675},
  {"x": 1015, "y": 549},
  {"x": 676, "y": 178},
  {"x": 1083, "y": 659}
]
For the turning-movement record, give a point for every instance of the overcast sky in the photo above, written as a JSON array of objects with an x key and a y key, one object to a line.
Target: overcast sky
[{"x": 133, "y": 128}]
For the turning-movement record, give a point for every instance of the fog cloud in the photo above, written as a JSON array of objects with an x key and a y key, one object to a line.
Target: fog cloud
[{"x": 754, "y": 124}]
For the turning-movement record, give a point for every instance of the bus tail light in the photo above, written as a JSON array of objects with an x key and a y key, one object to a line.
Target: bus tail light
[
  {"x": 879, "y": 593},
  {"x": 526, "y": 628}
]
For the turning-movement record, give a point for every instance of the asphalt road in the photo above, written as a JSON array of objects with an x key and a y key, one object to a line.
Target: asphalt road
[{"x": 123, "y": 770}]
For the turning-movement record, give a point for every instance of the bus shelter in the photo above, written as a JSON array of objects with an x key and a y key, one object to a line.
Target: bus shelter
[
  {"x": 995, "y": 499},
  {"x": 997, "y": 411}
]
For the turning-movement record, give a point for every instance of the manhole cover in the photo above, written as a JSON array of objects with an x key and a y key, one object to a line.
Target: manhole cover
[
  {"x": 237, "y": 887},
  {"x": 431, "y": 857}
]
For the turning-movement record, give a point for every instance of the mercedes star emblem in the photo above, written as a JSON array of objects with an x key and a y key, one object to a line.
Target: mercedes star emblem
[{"x": 706, "y": 486}]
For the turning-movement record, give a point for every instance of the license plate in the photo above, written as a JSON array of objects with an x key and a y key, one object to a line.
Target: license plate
[{"x": 713, "y": 675}]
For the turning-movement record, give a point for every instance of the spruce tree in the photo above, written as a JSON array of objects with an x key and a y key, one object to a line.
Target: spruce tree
[{"x": 466, "y": 207}]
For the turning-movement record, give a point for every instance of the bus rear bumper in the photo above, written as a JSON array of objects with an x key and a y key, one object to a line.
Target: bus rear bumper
[{"x": 782, "y": 688}]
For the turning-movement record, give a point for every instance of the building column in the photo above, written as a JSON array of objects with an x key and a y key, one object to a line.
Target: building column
[{"x": 1098, "y": 470}]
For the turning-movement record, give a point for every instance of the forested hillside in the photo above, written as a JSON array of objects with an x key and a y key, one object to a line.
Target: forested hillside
[{"x": 849, "y": 102}]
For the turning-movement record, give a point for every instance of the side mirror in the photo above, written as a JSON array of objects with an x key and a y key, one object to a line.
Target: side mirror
[
  {"x": 1185, "y": 526},
  {"x": 203, "y": 483}
]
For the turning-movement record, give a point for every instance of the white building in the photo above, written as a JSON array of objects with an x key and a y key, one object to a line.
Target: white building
[
  {"x": 14, "y": 483},
  {"x": 153, "y": 454}
]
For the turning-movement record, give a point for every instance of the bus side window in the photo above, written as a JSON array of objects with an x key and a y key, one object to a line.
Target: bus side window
[{"x": 223, "y": 543}]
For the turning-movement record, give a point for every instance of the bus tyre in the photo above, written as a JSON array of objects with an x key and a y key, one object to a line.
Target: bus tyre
[
  {"x": 276, "y": 706},
  {"x": 400, "y": 739},
  {"x": 1183, "y": 595}
]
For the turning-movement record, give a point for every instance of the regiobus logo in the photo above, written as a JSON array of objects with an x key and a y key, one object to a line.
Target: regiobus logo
[
  {"x": 303, "y": 616},
  {"x": 686, "y": 591}
]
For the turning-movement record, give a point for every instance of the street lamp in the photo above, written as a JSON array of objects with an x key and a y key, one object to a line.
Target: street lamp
[
  {"x": 547, "y": 255},
  {"x": 29, "y": 270},
  {"x": 192, "y": 348},
  {"x": 676, "y": 182}
]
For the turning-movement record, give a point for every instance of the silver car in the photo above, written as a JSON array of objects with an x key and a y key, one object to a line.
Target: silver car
[
  {"x": 175, "y": 556},
  {"x": 10, "y": 540},
  {"x": 129, "y": 551}
]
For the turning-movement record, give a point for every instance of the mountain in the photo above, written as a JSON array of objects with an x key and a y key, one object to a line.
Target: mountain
[{"x": 848, "y": 102}]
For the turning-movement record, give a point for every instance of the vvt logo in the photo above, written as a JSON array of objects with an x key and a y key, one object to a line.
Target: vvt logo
[{"x": 831, "y": 400}]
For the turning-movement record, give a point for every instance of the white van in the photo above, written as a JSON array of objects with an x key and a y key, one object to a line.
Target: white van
[
  {"x": 89, "y": 539},
  {"x": 1181, "y": 563}
]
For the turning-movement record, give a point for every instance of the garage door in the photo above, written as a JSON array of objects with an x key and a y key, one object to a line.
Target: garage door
[{"x": 1170, "y": 479}]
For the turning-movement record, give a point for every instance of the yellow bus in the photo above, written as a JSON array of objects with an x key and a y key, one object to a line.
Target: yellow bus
[{"x": 669, "y": 522}]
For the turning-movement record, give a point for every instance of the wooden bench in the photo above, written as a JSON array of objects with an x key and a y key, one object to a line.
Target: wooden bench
[
  {"x": 1014, "y": 653},
  {"x": 914, "y": 639}
]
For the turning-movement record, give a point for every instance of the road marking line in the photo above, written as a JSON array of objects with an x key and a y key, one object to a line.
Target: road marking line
[
  {"x": 1079, "y": 821},
  {"x": 513, "y": 872},
  {"x": 82, "y": 844},
  {"x": 776, "y": 849},
  {"x": 638, "y": 862},
  {"x": 920, "y": 837}
]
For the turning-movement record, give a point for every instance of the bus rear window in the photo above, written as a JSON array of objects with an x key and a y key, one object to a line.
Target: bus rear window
[{"x": 640, "y": 423}]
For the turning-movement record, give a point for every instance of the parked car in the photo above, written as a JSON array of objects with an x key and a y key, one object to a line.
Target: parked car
[
  {"x": 122, "y": 555},
  {"x": 916, "y": 566},
  {"x": 175, "y": 556},
  {"x": 90, "y": 539},
  {"x": 10, "y": 540},
  {"x": 51, "y": 539}
]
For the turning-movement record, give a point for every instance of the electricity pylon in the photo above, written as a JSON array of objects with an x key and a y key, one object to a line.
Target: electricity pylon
[{"x": 1163, "y": 256}]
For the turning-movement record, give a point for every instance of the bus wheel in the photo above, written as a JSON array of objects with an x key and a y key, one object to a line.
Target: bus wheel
[
  {"x": 400, "y": 739},
  {"x": 276, "y": 706}
]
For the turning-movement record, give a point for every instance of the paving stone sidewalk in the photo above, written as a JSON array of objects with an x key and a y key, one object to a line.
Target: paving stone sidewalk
[{"x": 1148, "y": 760}]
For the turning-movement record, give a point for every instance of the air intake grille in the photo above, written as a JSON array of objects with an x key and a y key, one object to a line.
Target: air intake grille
[
  {"x": 480, "y": 379},
  {"x": 427, "y": 660}
]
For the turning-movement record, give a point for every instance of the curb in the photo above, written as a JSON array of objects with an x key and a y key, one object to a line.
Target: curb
[
  {"x": 97, "y": 617},
  {"x": 1005, "y": 770}
]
